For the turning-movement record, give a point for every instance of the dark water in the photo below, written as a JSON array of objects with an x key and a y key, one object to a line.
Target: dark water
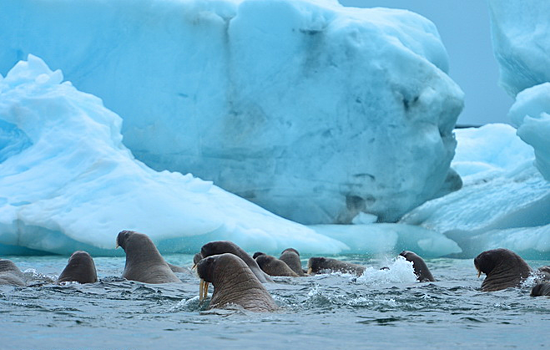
[{"x": 382, "y": 309}]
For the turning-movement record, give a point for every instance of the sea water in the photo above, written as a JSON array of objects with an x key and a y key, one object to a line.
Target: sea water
[{"x": 383, "y": 309}]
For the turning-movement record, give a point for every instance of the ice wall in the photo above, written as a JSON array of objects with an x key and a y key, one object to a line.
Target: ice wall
[{"x": 314, "y": 111}]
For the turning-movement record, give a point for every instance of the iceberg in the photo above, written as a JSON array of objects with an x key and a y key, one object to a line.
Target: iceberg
[
  {"x": 520, "y": 33},
  {"x": 312, "y": 110},
  {"x": 69, "y": 183},
  {"x": 309, "y": 109},
  {"x": 530, "y": 114},
  {"x": 504, "y": 201},
  {"x": 521, "y": 42}
]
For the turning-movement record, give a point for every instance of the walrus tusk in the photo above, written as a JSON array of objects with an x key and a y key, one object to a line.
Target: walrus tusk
[
  {"x": 309, "y": 271},
  {"x": 478, "y": 273},
  {"x": 203, "y": 290}
]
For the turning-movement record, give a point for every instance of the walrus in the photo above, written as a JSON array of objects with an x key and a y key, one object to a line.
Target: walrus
[
  {"x": 273, "y": 266},
  {"x": 220, "y": 247},
  {"x": 544, "y": 273},
  {"x": 541, "y": 289},
  {"x": 234, "y": 283},
  {"x": 196, "y": 258},
  {"x": 421, "y": 270},
  {"x": 80, "y": 268},
  {"x": 292, "y": 258},
  {"x": 143, "y": 260},
  {"x": 257, "y": 254},
  {"x": 503, "y": 268},
  {"x": 10, "y": 274},
  {"x": 321, "y": 265}
]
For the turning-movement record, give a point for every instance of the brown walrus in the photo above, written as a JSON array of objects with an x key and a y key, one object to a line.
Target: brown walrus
[
  {"x": 10, "y": 274},
  {"x": 292, "y": 258},
  {"x": 273, "y": 266},
  {"x": 80, "y": 268},
  {"x": 143, "y": 260},
  {"x": 322, "y": 265},
  {"x": 421, "y": 270},
  {"x": 234, "y": 283},
  {"x": 220, "y": 247},
  {"x": 503, "y": 267},
  {"x": 544, "y": 273},
  {"x": 541, "y": 289}
]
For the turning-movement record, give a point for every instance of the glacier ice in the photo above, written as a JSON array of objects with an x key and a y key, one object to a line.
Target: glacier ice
[{"x": 315, "y": 111}]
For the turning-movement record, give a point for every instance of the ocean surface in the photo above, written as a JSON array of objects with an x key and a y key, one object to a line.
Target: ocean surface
[{"x": 383, "y": 309}]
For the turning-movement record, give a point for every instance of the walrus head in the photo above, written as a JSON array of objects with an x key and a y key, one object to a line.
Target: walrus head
[
  {"x": 122, "y": 238},
  {"x": 421, "y": 270},
  {"x": 503, "y": 268},
  {"x": 80, "y": 268},
  {"x": 196, "y": 258},
  {"x": 144, "y": 263},
  {"x": 273, "y": 266},
  {"x": 316, "y": 264},
  {"x": 541, "y": 289},
  {"x": 132, "y": 240},
  {"x": 9, "y": 266},
  {"x": 205, "y": 270},
  {"x": 290, "y": 250},
  {"x": 221, "y": 247},
  {"x": 257, "y": 254},
  {"x": 234, "y": 283},
  {"x": 292, "y": 258}
]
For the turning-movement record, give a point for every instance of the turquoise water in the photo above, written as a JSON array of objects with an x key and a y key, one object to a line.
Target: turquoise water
[{"x": 382, "y": 309}]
